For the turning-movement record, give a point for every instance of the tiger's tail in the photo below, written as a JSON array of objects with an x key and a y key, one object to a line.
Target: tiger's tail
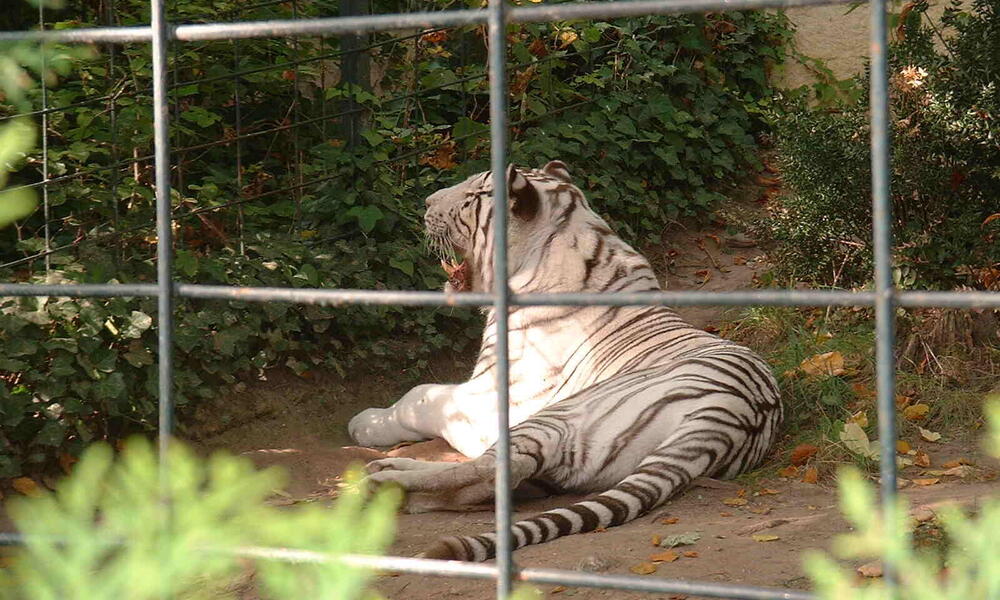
[{"x": 697, "y": 449}]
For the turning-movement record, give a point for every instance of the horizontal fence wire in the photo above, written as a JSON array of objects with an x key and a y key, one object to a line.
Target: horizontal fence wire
[
  {"x": 332, "y": 297},
  {"x": 372, "y": 23},
  {"x": 884, "y": 298},
  {"x": 440, "y": 568}
]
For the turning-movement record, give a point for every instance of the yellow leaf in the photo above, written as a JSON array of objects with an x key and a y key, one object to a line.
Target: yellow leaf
[
  {"x": 691, "y": 554},
  {"x": 931, "y": 481},
  {"x": 656, "y": 539},
  {"x": 857, "y": 441},
  {"x": 568, "y": 37},
  {"x": 558, "y": 588},
  {"x": 828, "y": 363},
  {"x": 916, "y": 412},
  {"x": 735, "y": 501},
  {"x": 761, "y": 537},
  {"x": 860, "y": 418},
  {"x": 643, "y": 568},
  {"x": 930, "y": 436},
  {"x": 26, "y": 486},
  {"x": 668, "y": 556},
  {"x": 670, "y": 520},
  {"x": 902, "y": 446}
]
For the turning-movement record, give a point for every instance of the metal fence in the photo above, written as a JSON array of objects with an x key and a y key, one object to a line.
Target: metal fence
[{"x": 884, "y": 298}]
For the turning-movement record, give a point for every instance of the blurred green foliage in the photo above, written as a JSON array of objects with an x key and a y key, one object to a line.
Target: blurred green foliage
[
  {"x": 119, "y": 527},
  {"x": 968, "y": 568}
]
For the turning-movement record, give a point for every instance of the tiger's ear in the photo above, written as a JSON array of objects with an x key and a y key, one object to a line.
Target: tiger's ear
[
  {"x": 523, "y": 196},
  {"x": 559, "y": 170}
]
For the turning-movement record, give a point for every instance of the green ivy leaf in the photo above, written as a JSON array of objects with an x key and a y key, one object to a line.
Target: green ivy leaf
[{"x": 137, "y": 324}]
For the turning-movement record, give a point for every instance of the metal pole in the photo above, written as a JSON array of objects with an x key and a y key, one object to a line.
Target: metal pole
[
  {"x": 885, "y": 334},
  {"x": 498, "y": 152},
  {"x": 45, "y": 147},
  {"x": 164, "y": 234}
]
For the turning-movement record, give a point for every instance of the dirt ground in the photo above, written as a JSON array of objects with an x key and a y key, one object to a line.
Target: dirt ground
[{"x": 302, "y": 426}]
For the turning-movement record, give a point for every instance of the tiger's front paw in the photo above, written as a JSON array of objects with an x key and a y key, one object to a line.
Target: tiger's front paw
[{"x": 378, "y": 427}]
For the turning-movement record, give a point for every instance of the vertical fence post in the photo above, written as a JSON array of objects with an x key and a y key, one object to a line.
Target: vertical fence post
[
  {"x": 885, "y": 305},
  {"x": 164, "y": 234},
  {"x": 498, "y": 152},
  {"x": 354, "y": 70},
  {"x": 45, "y": 148}
]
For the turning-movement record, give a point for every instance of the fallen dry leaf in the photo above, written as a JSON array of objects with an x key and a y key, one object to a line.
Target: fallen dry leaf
[
  {"x": 681, "y": 539},
  {"x": 903, "y": 446},
  {"x": 828, "y": 363},
  {"x": 802, "y": 453},
  {"x": 643, "y": 568},
  {"x": 725, "y": 514},
  {"x": 763, "y": 537},
  {"x": 789, "y": 472},
  {"x": 916, "y": 412},
  {"x": 26, "y": 486},
  {"x": 691, "y": 554},
  {"x": 557, "y": 589},
  {"x": 930, "y": 436},
  {"x": 930, "y": 481},
  {"x": 670, "y": 520},
  {"x": 768, "y": 492},
  {"x": 922, "y": 459},
  {"x": 922, "y": 514},
  {"x": 856, "y": 440},
  {"x": 860, "y": 418},
  {"x": 668, "y": 556},
  {"x": 863, "y": 391},
  {"x": 735, "y": 501},
  {"x": 951, "y": 464},
  {"x": 872, "y": 569},
  {"x": 960, "y": 471},
  {"x": 66, "y": 462},
  {"x": 656, "y": 539},
  {"x": 811, "y": 475}
]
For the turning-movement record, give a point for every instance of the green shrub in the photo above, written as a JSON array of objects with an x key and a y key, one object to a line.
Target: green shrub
[
  {"x": 109, "y": 531},
  {"x": 945, "y": 105},
  {"x": 80, "y": 370}
]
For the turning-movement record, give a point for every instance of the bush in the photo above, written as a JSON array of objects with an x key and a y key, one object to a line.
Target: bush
[
  {"x": 109, "y": 531},
  {"x": 945, "y": 106}
]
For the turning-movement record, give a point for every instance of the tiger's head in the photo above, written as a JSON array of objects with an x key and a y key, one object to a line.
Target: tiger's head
[{"x": 459, "y": 221}]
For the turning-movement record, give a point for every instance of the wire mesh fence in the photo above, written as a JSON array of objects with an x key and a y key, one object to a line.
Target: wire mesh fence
[{"x": 172, "y": 154}]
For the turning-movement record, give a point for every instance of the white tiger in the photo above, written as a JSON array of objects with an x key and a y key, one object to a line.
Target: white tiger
[{"x": 629, "y": 402}]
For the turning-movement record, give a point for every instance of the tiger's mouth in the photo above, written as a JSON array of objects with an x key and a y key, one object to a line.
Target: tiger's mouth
[
  {"x": 458, "y": 274},
  {"x": 454, "y": 263}
]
